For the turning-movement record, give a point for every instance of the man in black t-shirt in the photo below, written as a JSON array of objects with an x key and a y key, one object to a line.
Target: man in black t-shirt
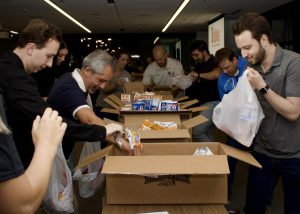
[{"x": 204, "y": 88}]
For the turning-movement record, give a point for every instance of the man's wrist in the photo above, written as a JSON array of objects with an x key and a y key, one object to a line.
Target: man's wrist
[{"x": 264, "y": 90}]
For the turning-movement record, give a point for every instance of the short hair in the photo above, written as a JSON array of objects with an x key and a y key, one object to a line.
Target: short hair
[
  {"x": 224, "y": 53},
  {"x": 199, "y": 45},
  {"x": 39, "y": 32},
  {"x": 120, "y": 52},
  {"x": 97, "y": 60},
  {"x": 255, "y": 23}
]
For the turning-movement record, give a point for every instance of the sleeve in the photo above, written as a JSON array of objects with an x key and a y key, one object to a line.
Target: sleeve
[
  {"x": 178, "y": 69},
  {"x": 128, "y": 75},
  {"x": 10, "y": 162},
  {"x": 84, "y": 132},
  {"x": 221, "y": 87},
  {"x": 292, "y": 84},
  {"x": 67, "y": 98},
  {"x": 147, "y": 75}
]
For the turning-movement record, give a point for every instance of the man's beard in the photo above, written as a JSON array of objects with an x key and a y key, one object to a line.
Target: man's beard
[{"x": 260, "y": 56}]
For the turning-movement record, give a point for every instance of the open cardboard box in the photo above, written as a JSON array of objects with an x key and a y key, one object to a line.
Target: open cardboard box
[
  {"x": 168, "y": 173},
  {"x": 134, "y": 120}
]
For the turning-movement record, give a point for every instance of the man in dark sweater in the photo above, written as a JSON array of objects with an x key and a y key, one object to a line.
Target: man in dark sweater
[{"x": 38, "y": 44}]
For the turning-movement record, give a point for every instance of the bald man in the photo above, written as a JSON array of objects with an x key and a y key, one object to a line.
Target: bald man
[{"x": 163, "y": 71}]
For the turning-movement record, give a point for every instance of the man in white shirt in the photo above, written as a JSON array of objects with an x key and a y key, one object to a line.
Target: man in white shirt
[{"x": 164, "y": 71}]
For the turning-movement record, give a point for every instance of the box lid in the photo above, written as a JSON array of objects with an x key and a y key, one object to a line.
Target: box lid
[
  {"x": 166, "y": 165},
  {"x": 186, "y": 104},
  {"x": 240, "y": 155},
  {"x": 190, "y": 123}
]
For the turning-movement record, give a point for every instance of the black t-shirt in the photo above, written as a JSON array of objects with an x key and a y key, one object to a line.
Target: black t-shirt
[
  {"x": 65, "y": 97},
  {"x": 24, "y": 103},
  {"x": 204, "y": 90},
  {"x": 10, "y": 163}
]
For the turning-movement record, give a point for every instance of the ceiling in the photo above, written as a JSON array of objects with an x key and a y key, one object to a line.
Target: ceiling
[{"x": 136, "y": 16}]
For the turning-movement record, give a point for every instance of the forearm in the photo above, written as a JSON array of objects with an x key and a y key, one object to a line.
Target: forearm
[
  {"x": 214, "y": 74},
  {"x": 287, "y": 107},
  {"x": 92, "y": 119},
  {"x": 38, "y": 174}
]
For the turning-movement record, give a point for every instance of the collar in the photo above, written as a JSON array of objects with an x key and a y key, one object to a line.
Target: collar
[{"x": 78, "y": 79}]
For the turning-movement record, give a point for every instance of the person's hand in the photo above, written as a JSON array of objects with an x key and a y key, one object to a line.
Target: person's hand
[
  {"x": 255, "y": 79},
  {"x": 194, "y": 75},
  {"x": 113, "y": 127},
  {"x": 48, "y": 130},
  {"x": 120, "y": 82},
  {"x": 125, "y": 144}
]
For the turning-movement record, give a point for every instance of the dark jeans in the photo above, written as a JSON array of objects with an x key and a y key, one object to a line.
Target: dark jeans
[
  {"x": 232, "y": 163},
  {"x": 261, "y": 183}
]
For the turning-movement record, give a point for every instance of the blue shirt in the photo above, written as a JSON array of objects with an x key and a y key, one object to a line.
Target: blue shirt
[{"x": 227, "y": 83}]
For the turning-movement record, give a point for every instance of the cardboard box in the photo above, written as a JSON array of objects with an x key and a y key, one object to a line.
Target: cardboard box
[
  {"x": 131, "y": 87},
  {"x": 134, "y": 120},
  {"x": 168, "y": 173}
]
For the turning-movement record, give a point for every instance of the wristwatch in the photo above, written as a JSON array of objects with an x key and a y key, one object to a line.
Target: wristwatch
[{"x": 263, "y": 90}]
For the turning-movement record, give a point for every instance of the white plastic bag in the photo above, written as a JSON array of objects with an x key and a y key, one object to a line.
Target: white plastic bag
[
  {"x": 239, "y": 114},
  {"x": 90, "y": 177},
  {"x": 59, "y": 196}
]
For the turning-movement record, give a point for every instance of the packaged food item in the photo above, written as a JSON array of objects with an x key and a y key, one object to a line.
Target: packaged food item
[
  {"x": 126, "y": 98},
  {"x": 158, "y": 125},
  {"x": 203, "y": 151},
  {"x": 169, "y": 105},
  {"x": 134, "y": 141},
  {"x": 138, "y": 105}
]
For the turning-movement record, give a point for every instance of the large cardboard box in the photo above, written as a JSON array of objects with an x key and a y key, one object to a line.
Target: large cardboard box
[
  {"x": 134, "y": 120},
  {"x": 168, "y": 173}
]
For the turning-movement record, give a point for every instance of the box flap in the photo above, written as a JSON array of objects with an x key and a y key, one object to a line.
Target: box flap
[
  {"x": 240, "y": 155},
  {"x": 181, "y": 98},
  {"x": 188, "y": 103},
  {"x": 199, "y": 108},
  {"x": 166, "y": 165},
  {"x": 93, "y": 157},
  {"x": 194, "y": 121},
  {"x": 165, "y": 134},
  {"x": 110, "y": 110},
  {"x": 116, "y": 99},
  {"x": 110, "y": 102}
]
